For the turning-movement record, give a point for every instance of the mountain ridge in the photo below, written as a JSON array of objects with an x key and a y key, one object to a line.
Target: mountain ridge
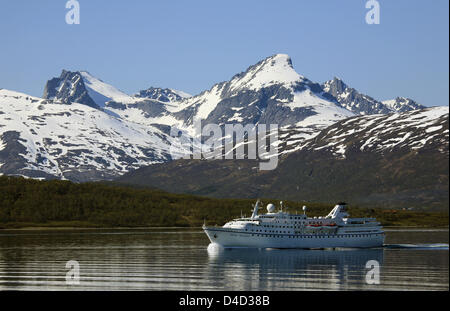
[{"x": 270, "y": 91}]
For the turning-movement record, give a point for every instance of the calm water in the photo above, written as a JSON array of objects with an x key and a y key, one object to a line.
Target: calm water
[{"x": 180, "y": 259}]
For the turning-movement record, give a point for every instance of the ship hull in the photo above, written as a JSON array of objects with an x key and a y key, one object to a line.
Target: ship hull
[{"x": 232, "y": 238}]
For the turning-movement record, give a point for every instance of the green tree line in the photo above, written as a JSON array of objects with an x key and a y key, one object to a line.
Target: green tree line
[{"x": 29, "y": 202}]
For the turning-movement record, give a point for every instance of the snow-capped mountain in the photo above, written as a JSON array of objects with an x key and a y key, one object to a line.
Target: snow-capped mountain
[
  {"x": 142, "y": 108},
  {"x": 81, "y": 87},
  {"x": 84, "y": 88},
  {"x": 86, "y": 129},
  {"x": 402, "y": 104},
  {"x": 272, "y": 92},
  {"x": 46, "y": 138},
  {"x": 269, "y": 92},
  {"x": 163, "y": 95},
  {"x": 363, "y": 104}
]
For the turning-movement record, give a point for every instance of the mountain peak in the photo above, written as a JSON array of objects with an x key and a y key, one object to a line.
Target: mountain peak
[
  {"x": 164, "y": 95},
  {"x": 68, "y": 88},
  {"x": 336, "y": 85},
  {"x": 281, "y": 62},
  {"x": 281, "y": 59},
  {"x": 402, "y": 104},
  {"x": 273, "y": 70},
  {"x": 363, "y": 104}
]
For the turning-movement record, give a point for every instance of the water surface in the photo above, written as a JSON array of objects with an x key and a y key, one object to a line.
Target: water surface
[{"x": 180, "y": 259}]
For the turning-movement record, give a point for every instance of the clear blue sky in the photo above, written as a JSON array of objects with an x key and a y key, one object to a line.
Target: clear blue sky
[{"x": 190, "y": 45}]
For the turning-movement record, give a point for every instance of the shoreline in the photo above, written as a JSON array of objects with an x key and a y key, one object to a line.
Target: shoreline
[
  {"x": 92, "y": 228},
  {"x": 68, "y": 228}
]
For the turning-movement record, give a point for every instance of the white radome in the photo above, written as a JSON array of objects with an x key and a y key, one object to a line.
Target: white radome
[{"x": 270, "y": 208}]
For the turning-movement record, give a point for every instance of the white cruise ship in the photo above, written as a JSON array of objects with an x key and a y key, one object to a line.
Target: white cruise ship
[{"x": 278, "y": 229}]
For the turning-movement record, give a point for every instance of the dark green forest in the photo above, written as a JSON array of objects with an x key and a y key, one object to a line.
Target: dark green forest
[{"x": 55, "y": 203}]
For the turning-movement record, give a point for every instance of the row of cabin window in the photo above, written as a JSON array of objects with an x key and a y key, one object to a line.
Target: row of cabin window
[
  {"x": 278, "y": 226},
  {"x": 292, "y": 227},
  {"x": 268, "y": 231},
  {"x": 319, "y": 236}
]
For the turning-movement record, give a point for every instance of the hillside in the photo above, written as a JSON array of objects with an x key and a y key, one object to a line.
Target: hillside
[
  {"x": 33, "y": 203},
  {"x": 398, "y": 160}
]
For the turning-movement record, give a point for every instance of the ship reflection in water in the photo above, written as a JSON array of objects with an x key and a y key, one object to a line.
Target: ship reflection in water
[{"x": 294, "y": 269}]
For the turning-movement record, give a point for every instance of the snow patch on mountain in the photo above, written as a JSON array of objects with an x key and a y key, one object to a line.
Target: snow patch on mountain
[
  {"x": 181, "y": 93},
  {"x": 413, "y": 130},
  {"x": 102, "y": 92}
]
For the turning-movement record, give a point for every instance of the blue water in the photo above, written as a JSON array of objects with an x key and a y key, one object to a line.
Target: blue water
[{"x": 181, "y": 259}]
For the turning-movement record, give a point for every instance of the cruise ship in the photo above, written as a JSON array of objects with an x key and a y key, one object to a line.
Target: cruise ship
[{"x": 279, "y": 229}]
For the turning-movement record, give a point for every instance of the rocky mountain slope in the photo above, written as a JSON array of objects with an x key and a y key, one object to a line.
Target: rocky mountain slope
[
  {"x": 394, "y": 160},
  {"x": 363, "y": 104}
]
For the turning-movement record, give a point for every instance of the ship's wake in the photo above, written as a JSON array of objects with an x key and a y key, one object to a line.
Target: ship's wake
[{"x": 434, "y": 246}]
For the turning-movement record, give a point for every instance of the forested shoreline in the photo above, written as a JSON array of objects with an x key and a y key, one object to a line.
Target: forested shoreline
[{"x": 55, "y": 203}]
